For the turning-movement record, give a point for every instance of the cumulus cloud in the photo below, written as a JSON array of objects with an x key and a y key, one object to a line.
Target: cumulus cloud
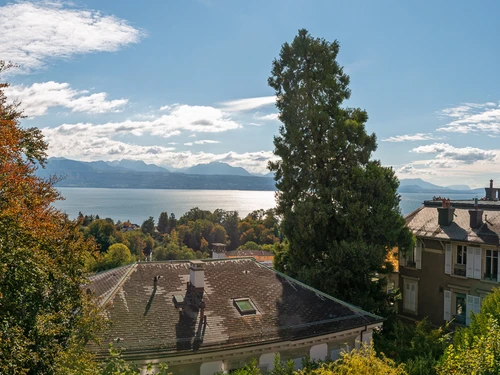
[
  {"x": 241, "y": 105},
  {"x": 472, "y": 117},
  {"x": 32, "y": 33},
  {"x": 39, "y": 97},
  {"x": 81, "y": 144},
  {"x": 411, "y": 137},
  {"x": 205, "y": 141},
  {"x": 465, "y": 155},
  {"x": 410, "y": 170}
]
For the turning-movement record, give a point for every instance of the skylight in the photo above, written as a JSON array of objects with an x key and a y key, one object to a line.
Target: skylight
[{"x": 245, "y": 306}]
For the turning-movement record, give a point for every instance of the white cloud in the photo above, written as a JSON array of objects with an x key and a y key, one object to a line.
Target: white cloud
[
  {"x": 269, "y": 117},
  {"x": 82, "y": 142},
  {"x": 411, "y": 137},
  {"x": 180, "y": 118},
  {"x": 472, "y": 117},
  {"x": 32, "y": 33},
  {"x": 464, "y": 155},
  {"x": 39, "y": 97},
  {"x": 188, "y": 144},
  {"x": 410, "y": 170},
  {"x": 241, "y": 105},
  {"x": 205, "y": 141}
]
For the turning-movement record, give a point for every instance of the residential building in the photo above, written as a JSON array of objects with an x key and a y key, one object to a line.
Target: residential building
[
  {"x": 219, "y": 252},
  {"x": 203, "y": 317},
  {"x": 455, "y": 262}
]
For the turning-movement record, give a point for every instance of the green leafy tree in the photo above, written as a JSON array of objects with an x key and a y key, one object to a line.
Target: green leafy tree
[
  {"x": 331, "y": 195},
  {"x": 117, "y": 255},
  {"x": 172, "y": 222},
  {"x": 45, "y": 318},
  {"x": 148, "y": 226},
  {"x": 476, "y": 349},
  {"x": 103, "y": 233},
  {"x": 163, "y": 222},
  {"x": 217, "y": 234},
  {"x": 135, "y": 241}
]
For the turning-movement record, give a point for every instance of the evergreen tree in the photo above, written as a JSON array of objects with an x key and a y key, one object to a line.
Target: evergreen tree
[
  {"x": 148, "y": 227},
  {"x": 163, "y": 222},
  {"x": 333, "y": 198}
]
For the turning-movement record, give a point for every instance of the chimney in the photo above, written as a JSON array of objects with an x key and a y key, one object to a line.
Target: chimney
[
  {"x": 476, "y": 216},
  {"x": 197, "y": 274},
  {"x": 491, "y": 192},
  {"x": 445, "y": 215}
]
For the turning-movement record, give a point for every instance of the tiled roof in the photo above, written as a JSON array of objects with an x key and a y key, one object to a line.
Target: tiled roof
[
  {"x": 423, "y": 222},
  {"x": 145, "y": 320},
  {"x": 249, "y": 253}
]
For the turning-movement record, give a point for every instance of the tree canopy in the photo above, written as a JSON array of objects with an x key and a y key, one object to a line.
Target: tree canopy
[
  {"x": 45, "y": 319},
  {"x": 334, "y": 199}
]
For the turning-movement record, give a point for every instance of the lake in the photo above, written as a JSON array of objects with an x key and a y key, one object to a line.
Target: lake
[{"x": 137, "y": 205}]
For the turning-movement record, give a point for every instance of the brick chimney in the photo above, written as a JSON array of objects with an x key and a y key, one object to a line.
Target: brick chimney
[
  {"x": 197, "y": 274},
  {"x": 476, "y": 216},
  {"x": 445, "y": 213},
  {"x": 491, "y": 192}
]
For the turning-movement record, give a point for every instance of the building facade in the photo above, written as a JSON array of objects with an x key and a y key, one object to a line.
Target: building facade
[
  {"x": 204, "y": 317},
  {"x": 455, "y": 262}
]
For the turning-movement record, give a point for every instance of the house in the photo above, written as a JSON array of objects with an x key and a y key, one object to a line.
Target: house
[
  {"x": 203, "y": 317},
  {"x": 455, "y": 262}
]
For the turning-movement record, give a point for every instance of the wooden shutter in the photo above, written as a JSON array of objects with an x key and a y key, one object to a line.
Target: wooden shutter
[
  {"x": 477, "y": 305},
  {"x": 335, "y": 354},
  {"x": 413, "y": 297},
  {"x": 418, "y": 255},
  {"x": 498, "y": 268},
  {"x": 469, "y": 307},
  {"x": 402, "y": 259},
  {"x": 406, "y": 297},
  {"x": 447, "y": 259},
  {"x": 477, "y": 263},
  {"x": 447, "y": 305},
  {"x": 470, "y": 262}
]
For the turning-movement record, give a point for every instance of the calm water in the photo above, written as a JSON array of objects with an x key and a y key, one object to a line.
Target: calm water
[{"x": 137, "y": 205}]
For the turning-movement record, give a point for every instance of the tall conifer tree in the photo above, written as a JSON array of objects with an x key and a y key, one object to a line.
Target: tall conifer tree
[{"x": 340, "y": 208}]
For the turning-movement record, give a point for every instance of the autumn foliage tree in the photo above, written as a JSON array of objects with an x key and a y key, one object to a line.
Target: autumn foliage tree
[{"x": 45, "y": 319}]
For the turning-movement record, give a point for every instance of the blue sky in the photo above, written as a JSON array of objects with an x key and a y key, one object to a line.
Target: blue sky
[{"x": 185, "y": 82}]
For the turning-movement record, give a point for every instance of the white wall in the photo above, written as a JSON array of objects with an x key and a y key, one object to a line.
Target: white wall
[
  {"x": 210, "y": 368},
  {"x": 319, "y": 352},
  {"x": 267, "y": 360}
]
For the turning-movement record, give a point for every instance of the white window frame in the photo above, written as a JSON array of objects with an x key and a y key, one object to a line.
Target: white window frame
[{"x": 491, "y": 264}]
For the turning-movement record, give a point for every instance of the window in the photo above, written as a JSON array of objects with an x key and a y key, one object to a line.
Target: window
[
  {"x": 460, "y": 261},
  {"x": 460, "y": 308},
  {"x": 245, "y": 306},
  {"x": 410, "y": 296},
  {"x": 491, "y": 265}
]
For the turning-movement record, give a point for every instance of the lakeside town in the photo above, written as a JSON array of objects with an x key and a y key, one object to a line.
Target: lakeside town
[{"x": 335, "y": 279}]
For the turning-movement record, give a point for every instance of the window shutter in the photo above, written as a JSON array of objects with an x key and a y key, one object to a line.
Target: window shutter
[
  {"x": 402, "y": 259},
  {"x": 447, "y": 305},
  {"x": 335, "y": 354},
  {"x": 447, "y": 259},
  {"x": 498, "y": 269},
  {"x": 477, "y": 263},
  {"x": 469, "y": 306},
  {"x": 477, "y": 305},
  {"x": 418, "y": 255},
  {"x": 470, "y": 262},
  {"x": 413, "y": 297}
]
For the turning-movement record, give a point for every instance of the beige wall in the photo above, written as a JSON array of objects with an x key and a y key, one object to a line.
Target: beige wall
[{"x": 432, "y": 282}]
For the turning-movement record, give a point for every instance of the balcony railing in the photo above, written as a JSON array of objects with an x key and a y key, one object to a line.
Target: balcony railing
[
  {"x": 490, "y": 277},
  {"x": 411, "y": 264},
  {"x": 459, "y": 319},
  {"x": 459, "y": 270}
]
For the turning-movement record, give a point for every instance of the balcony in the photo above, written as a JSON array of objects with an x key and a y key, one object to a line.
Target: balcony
[
  {"x": 411, "y": 264},
  {"x": 459, "y": 319},
  {"x": 490, "y": 277},
  {"x": 459, "y": 270}
]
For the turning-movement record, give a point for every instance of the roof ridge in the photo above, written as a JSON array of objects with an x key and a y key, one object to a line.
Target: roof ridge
[
  {"x": 119, "y": 284},
  {"x": 353, "y": 307}
]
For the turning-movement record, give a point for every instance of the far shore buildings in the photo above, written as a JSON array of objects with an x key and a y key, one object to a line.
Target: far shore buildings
[
  {"x": 204, "y": 317},
  {"x": 455, "y": 262}
]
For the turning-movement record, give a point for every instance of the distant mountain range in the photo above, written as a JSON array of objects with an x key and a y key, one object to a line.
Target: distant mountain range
[
  {"x": 417, "y": 185},
  {"x": 137, "y": 174}
]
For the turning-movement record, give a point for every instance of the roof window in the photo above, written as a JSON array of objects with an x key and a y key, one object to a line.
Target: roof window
[{"x": 245, "y": 306}]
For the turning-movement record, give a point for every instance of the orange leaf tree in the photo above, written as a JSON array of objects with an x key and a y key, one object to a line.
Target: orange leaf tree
[{"x": 45, "y": 319}]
